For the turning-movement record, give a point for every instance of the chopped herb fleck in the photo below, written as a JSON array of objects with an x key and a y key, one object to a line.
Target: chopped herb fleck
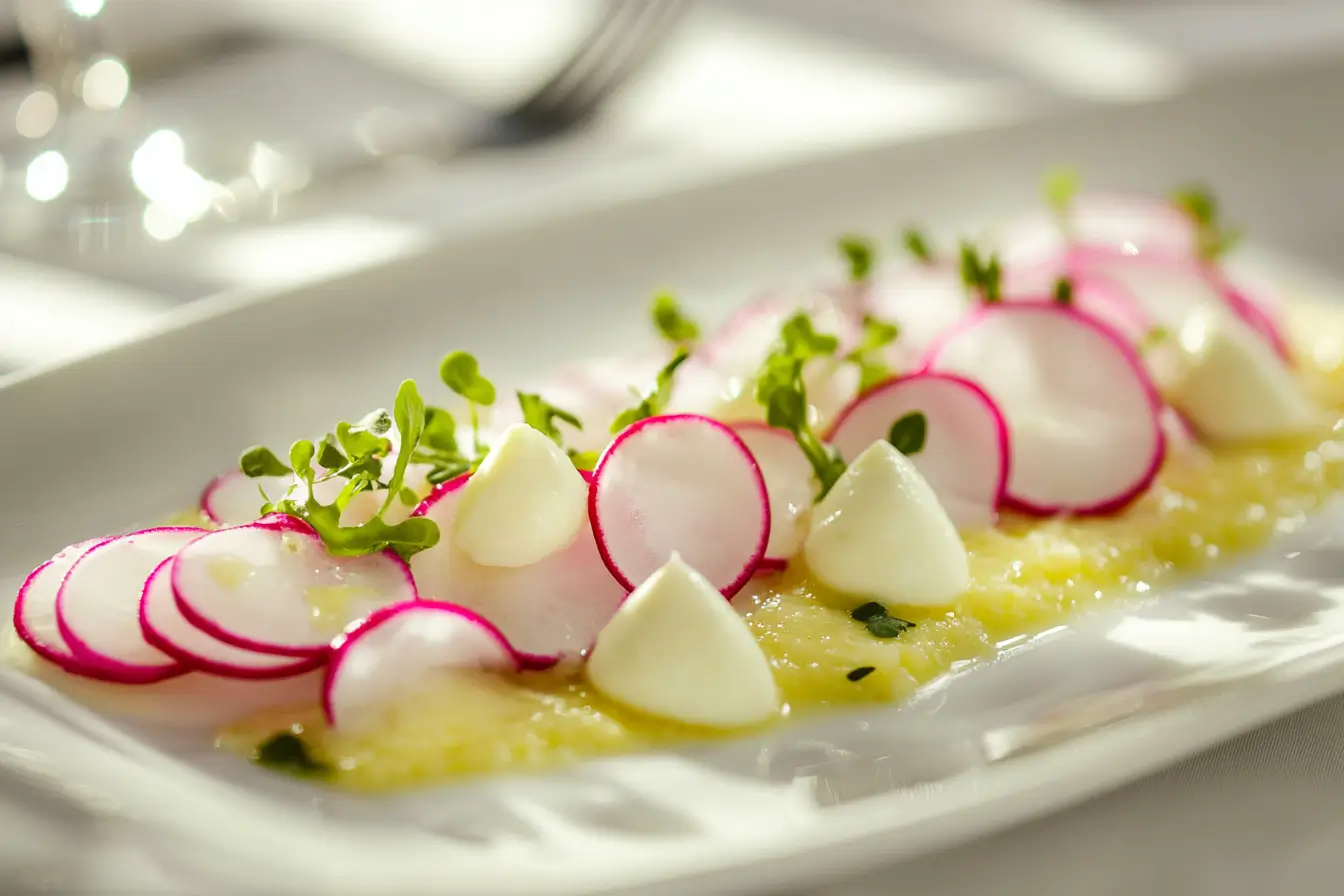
[
  {"x": 916, "y": 242},
  {"x": 860, "y": 673},
  {"x": 870, "y": 610},
  {"x": 981, "y": 275},
  {"x": 879, "y": 622},
  {"x": 909, "y": 433},
  {"x": 1064, "y": 291},
  {"x": 286, "y": 752}
]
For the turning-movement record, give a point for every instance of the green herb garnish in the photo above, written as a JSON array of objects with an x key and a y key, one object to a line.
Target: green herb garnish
[
  {"x": 860, "y": 673},
  {"x": 286, "y": 752},
  {"x": 652, "y": 403},
  {"x": 363, "y": 450},
  {"x": 981, "y": 275},
  {"x": 1154, "y": 337},
  {"x": 867, "y": 355},
  {"x": 859, "y": 255},
  {"x": 781, "y": 391},
  {"x": 916, "y": 242},
  {"x": 1063, "y": 291},
  {"x": 439, "y": 449},
  {"x": 908, "y": 434},
  {"x": 541, "y": 415},
  {"x": 461, "y": 372},
  {"x": 1214, "y": 238},
  {"x": 672, "y": 323},
  {"x": 879, "y": 622},
  {"x": 1060, "y": 186}
]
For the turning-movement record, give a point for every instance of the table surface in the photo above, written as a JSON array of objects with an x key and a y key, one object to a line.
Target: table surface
[{"x": 1263, "y": 813}]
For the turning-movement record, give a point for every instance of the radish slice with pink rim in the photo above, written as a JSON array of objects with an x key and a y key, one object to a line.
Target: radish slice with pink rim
[
  {"x": 233, "y": 499},
  {"x": 1170, "y": 287},
  {"x": 965, "y": 457},
  {"x": 548, "y": 610},
  {"x": 271, "y": 587},
  {"x": 167, "y": 629},
  {"x": 393, "y": 653},
  {"x": 1084, "y": 419},
  {"x": 789, "y": 483},
  {"x": 741, "y": 344},
  {"x": 685, "y": 484},
  {"x": 98, "y": 605},
  {"x": 35, "y": 613},
  {"x": 923, "y": 301},
  {"x": 1101, "y": 220},
  {"x": 1104, "y": 299}
]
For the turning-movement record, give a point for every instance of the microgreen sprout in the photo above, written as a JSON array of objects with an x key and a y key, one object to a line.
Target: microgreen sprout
[
  {"x": 1214, "y": 238},
  {"x": 1063, "y": 293},
  {"x": 780, "y": 390},
  {"x": 655, "y": 400},
  {"x": 541, "y": 415},
  {"x": 672, "y": 323},
  {"x": 1060, "y": 186},
  {"x": 867, "y": 355},
  {"x": 438, "y": 447},
  {"x": 981, "y": 275},
  {"x": 859, "y": 256},
  {"x": 461, "y": 372},
  {"x": 357, "y": 451},
  {"x": 916, "y": 242},
  {"x": 908, "y": 434}
]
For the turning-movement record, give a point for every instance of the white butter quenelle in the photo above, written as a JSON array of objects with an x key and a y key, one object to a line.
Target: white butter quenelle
[
  {"x": 880, "y": 532},
  {"x": 526, "y": 502},
  {"x": 676, "y": 649},
  {"x": 1231, "y": 384}
]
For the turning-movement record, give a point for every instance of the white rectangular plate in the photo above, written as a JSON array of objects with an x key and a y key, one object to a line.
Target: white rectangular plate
[{"x": 120, "y": 438}]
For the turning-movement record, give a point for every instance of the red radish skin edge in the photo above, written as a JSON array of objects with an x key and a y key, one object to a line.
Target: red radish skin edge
[
  {"x": 758, "y": 553},
  {"x": 112, "y": 670},
  {"x": 1145, "y": 481},
  {"x": 1001, "y": 498},
  {"x": 206, "y": 494},
  {"x": 204, "y": 664},
  {"x": 768, "y": 564},
  {"x": 535, "y": 662},
  {"x": 341, "y": 645},
  {"x": 279, "y": 522},
  {"x": 66, "y": 662}
]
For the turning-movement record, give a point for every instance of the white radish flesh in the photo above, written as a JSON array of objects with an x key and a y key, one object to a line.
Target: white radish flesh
[
  {"x": 965, "y": 457},
  {"x": 923, "y": 301},
  {"x": 1083, "y": 416},
  {"x": 684, "y": 484},
  {"x": 167, "y": 629},
  {"x": 789, "y": 482},
  {"x": 1132, "y": 224},
  {"x": 272, "y": 587},
  {"x": 397, "y": 650},
  {"x": 98, "y": 607},
  {"x": 233, "y": 499},
  {"x": 547, "y": 610}
]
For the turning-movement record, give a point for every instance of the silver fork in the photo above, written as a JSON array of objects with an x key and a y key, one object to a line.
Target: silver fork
[{"x": 617, "y": 47}]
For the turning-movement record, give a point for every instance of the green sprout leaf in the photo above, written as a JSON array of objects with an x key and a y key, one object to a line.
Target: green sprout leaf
[
  {"x": 329, "y": 453},
  {"x": 983, "y": 276},
  {"x": 1060, "y": 186},
  {"x": 673, "y": 325},
  {"x": 584, "y": 460},
  {"x": 879, "y": 622},
  {"x": 461, "y": 372},
  {"x": 908, "y": 434},
  {"x": 287, "y": 752},
  {"x": 781, "y": 391},
  {"x": 541, "y": 416},
  {"x": 655, "y": 401},
  {"x": 916, "y": 242},
  {"x": 261, "y": 461},
  {"x": 1214, "y": 238},
  {"x": 867, "y": 355},
  {"x": 859, "y": 256},
  {"x": 1063, "y": 291},
  {"x": 440, "y": 431}
]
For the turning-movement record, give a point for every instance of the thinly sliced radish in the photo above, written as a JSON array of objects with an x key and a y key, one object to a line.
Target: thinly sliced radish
[
  {"x": 35, "y": 613},
  {"x": 1083, "y": 416},
  {"x": 1170, "y": 288},
  {"x": 923, "y": 301},
  {"x": 965, "y": 458},
  {"x": 232, "y": 499},
  {"x": 548, "y": 610},
  {"x": 741, "y": 344},
  {"x": 790, "y": 484},
  {"x": 98, "y": 605},
  {"x": 167, "y": 629},
  {"x": 271, "y": 587},
  {"x": 1104, "y": 299},
  {"x": 393, "y": 652},
  {"x": 680, "y": 483},
  {"x": 1133, "y": 224}
]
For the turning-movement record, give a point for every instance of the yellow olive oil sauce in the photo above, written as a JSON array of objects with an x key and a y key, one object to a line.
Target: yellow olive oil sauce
[{"x": 1026, "y": 576}]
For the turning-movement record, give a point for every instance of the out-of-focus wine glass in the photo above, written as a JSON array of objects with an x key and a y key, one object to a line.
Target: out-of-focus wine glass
[{"x": 87, "y": 169}]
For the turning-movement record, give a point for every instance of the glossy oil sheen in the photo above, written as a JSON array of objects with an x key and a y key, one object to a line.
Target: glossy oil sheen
[{"x": 1027, "y": 576}]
